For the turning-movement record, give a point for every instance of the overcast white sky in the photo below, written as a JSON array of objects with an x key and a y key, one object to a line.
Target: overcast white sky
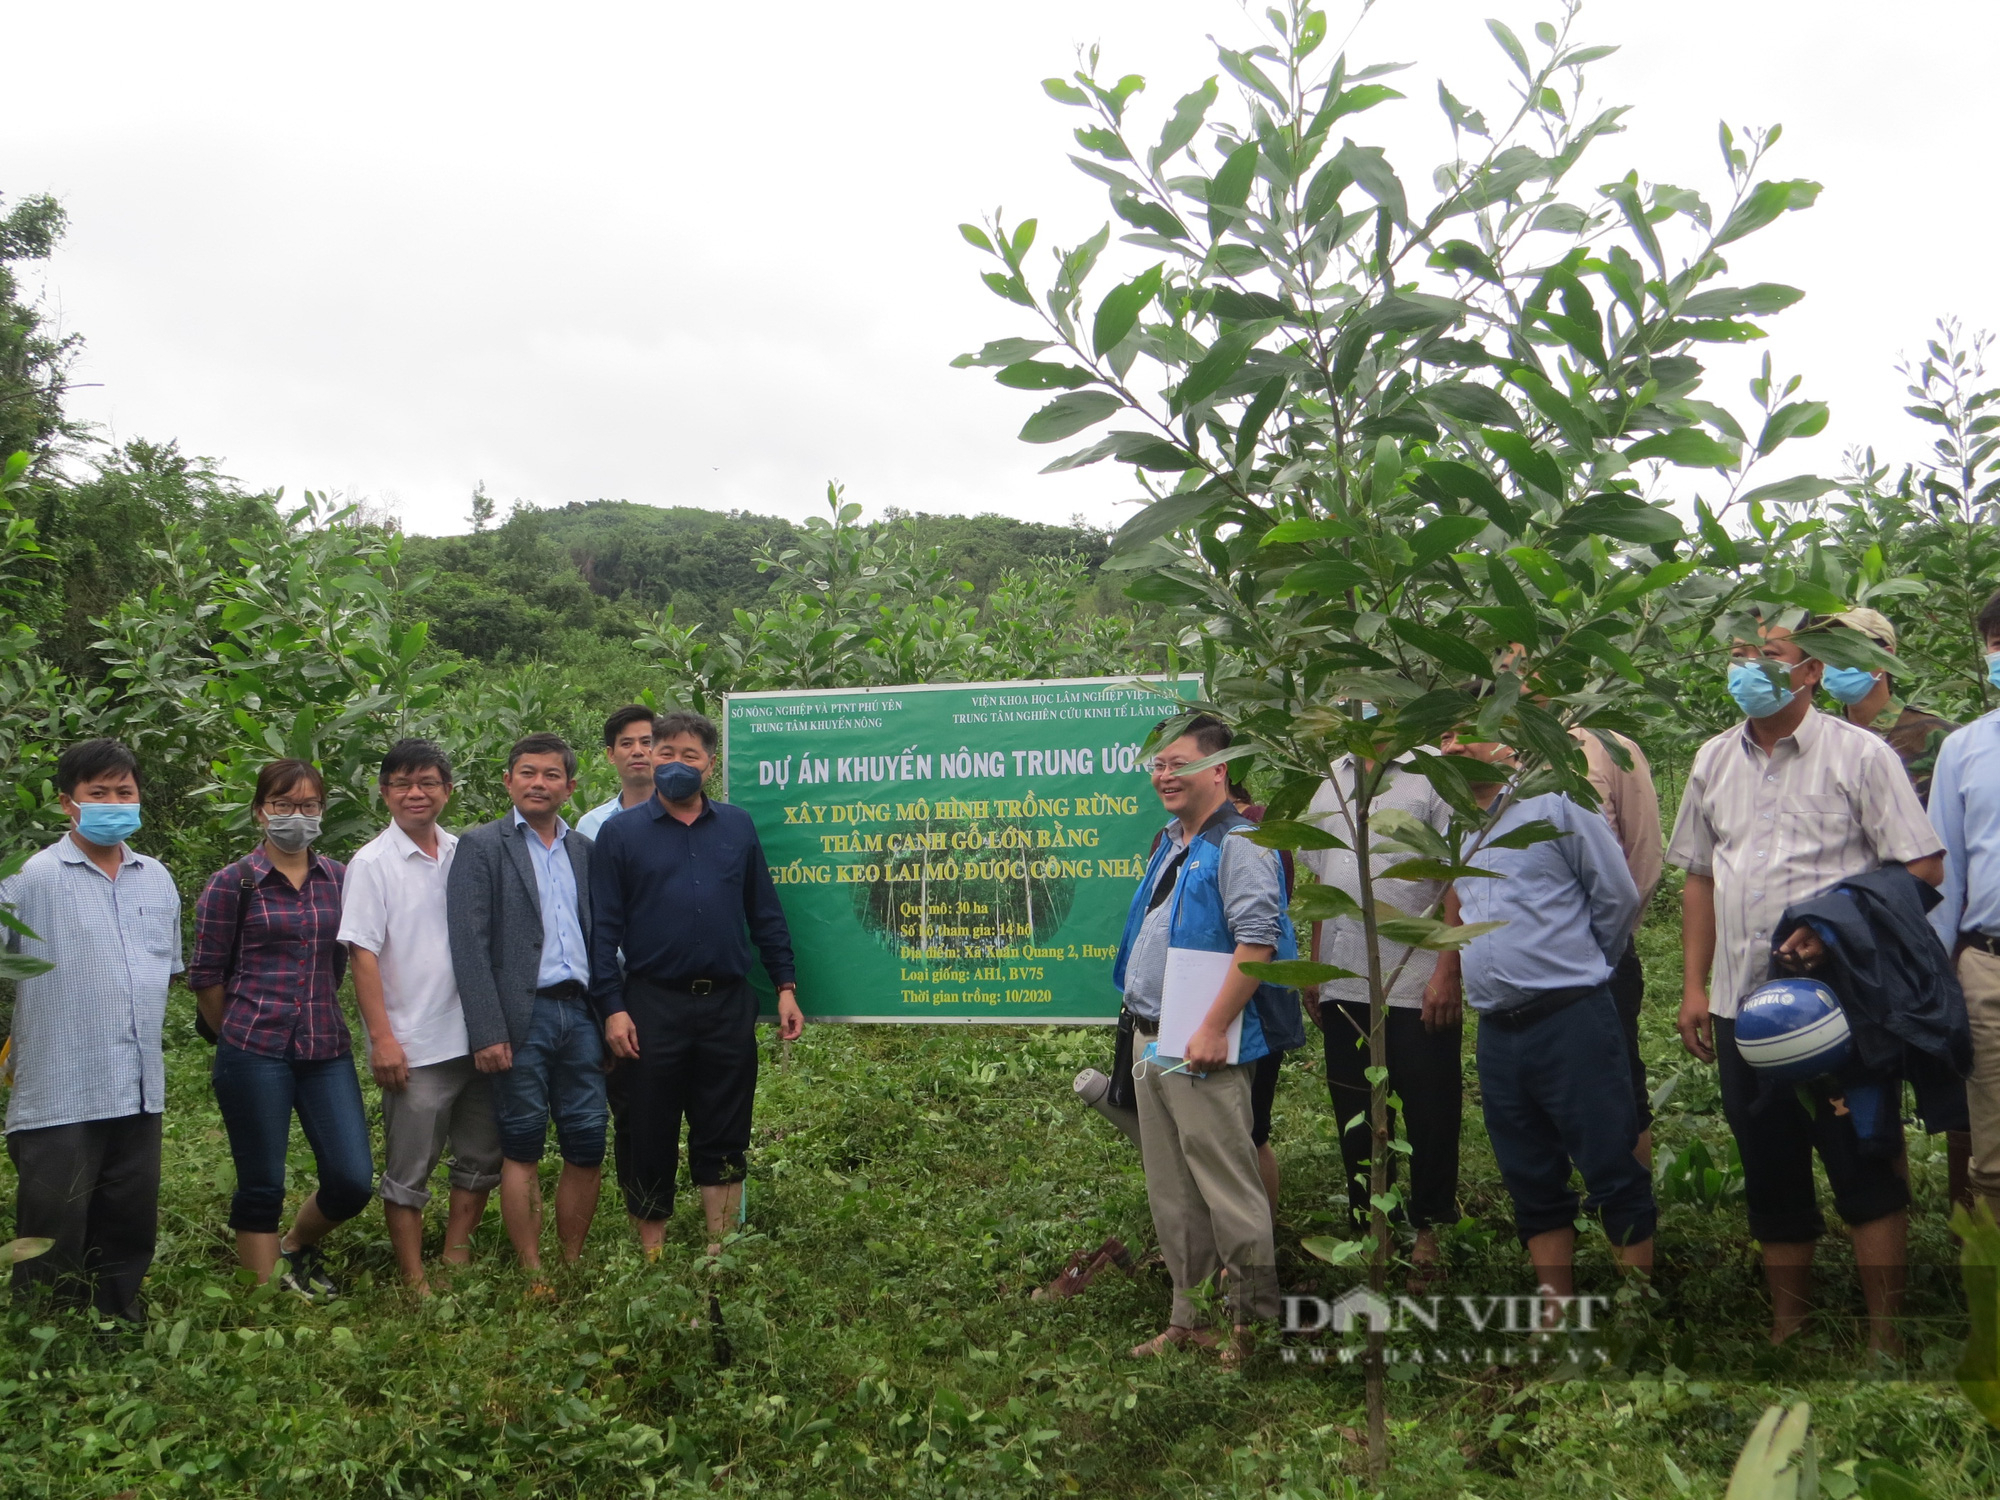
[{"x": 706, "y": 255}]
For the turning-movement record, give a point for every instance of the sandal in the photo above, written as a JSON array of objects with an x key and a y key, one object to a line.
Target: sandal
[
  {"x": 1072, "y": 1279},
  {"x": 1176, "y": 1336},
  {"x": 1083, "y": 1268}
]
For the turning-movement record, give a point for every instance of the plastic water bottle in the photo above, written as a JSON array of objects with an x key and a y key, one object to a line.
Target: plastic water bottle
[{"x": 1094, "y": 1089}]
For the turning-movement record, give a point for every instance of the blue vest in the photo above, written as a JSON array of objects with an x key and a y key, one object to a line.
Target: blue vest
[{"x": 1196, "y": 918}]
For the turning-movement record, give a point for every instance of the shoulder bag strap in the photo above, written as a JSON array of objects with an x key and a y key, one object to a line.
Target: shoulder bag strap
[{"x": 246, "y": 888}]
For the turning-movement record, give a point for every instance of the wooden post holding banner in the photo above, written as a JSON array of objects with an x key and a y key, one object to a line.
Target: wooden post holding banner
[{"x": 952, "y": 852}]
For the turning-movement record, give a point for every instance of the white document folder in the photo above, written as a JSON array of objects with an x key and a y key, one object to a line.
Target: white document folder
[{"x": 1194, "y": 978}]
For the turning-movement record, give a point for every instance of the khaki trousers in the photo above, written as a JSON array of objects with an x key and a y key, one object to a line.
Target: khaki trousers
[
  {"x": 1209, "y": 1208},
  {"x": 1979, "y": 977}
]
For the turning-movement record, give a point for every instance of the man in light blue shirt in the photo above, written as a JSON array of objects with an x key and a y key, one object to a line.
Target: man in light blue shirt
[
  {"x": 520, "y": 945},
  {"x": 565, "y": 960},
  {"x": 1555, "y": 1084},
  {"x": 83, "y": 1120},
  {"x": 628, "y": 745},
  {"x": 1965, "y": 811},
  {"x": 1568, "y": 913}
]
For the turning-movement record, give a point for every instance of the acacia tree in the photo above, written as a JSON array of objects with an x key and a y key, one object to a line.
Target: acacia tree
[
  {"x": 1928, "y": 538},
  {"x": 1382, "y": 441},
  {"x": 34, "y": 360}
]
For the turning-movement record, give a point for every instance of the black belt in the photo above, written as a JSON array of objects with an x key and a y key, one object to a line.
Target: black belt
[
  {"x": 569, "y": 989},
  {"x": 1141, "y": 1024},
  {"x": 706, "y": 985},
  {"x": 1981, "y": 941},
  {"x": 1544, "y": 1005}
]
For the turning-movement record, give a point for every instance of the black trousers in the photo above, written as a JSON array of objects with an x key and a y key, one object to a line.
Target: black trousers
[
  {"x": 1264, "y": 1094},
  {"x": 1777, "y": 1138},
  {"x": 93, "y": 1188},
  {"x": 1628, "y": 992},
  {"x": 697, "y": 1060},
  {"x": 1424, "y": 1072}
]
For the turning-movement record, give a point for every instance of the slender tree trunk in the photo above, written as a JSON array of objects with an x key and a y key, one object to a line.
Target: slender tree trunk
[{"x": 1373, "y": 1372}]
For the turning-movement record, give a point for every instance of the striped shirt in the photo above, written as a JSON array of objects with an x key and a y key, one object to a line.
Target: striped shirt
[
  {"x": 87, "y": 1033},
  {"x": 1830, "y": 801},
  {"x": 282, "y": 986}
]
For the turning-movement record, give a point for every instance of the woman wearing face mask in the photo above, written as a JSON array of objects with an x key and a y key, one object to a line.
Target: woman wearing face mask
[{"x": 266, "y": 975}]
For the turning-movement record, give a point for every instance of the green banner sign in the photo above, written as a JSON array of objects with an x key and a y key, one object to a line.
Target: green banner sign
[{"x": 954, "y": 852}]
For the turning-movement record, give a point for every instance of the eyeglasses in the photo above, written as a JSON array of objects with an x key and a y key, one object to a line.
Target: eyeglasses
[
  {"x": 279, "y": 807},
  {"x": 1168, "y": 767},
  {"x": 428, "y": 784}
]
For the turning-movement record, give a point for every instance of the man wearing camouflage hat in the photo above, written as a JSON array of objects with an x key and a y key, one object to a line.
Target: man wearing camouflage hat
[{"x": 1868, "y": 699}]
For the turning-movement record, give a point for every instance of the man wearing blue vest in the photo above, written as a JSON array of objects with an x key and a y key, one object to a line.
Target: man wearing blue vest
[{"x": 1206, "y": 893}]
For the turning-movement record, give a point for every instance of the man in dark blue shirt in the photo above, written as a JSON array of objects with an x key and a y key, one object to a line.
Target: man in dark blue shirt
[{"x": 680, "y": 884}]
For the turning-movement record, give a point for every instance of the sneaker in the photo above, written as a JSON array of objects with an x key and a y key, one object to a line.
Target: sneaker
[{"x": 305, "y": 1273}]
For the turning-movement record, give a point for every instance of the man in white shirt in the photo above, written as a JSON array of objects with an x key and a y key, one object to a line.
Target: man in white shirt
[
  {"x": 628, "y": 745},
  {"x": 393, "y": 920},
  {"x": 1777, "y": 810}
]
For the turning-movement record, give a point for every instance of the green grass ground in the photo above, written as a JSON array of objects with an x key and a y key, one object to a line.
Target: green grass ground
[{"x": 912, "y": 1185}]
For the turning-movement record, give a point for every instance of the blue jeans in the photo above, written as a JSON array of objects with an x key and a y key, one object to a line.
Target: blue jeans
[
  {"x": 257, "y": 1096},
  {"x": 558, "y": 1072},
  {"x": 1558, "y": 1092}
]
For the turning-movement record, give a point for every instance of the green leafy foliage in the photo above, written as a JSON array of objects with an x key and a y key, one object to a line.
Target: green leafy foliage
[
  {"x": 1696, "y": 1177},
  {"x": 1979, "y": 1258}
]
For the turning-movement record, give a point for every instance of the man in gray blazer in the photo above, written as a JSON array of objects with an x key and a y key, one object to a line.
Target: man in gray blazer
[{"x": 520, "y": 942}]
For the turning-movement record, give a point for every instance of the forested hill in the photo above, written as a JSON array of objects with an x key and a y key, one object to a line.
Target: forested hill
[{"x": 501, "y": 594}]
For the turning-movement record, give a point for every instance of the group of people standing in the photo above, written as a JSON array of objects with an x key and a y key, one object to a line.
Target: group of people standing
[
  {"x": 1778, "y": 810},
  {"x": 523, "y": 974},
  {"x": 595, "y": 977}
]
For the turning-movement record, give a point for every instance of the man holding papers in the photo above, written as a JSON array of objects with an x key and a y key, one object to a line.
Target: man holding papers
[{"x": 1208, "y": 903}]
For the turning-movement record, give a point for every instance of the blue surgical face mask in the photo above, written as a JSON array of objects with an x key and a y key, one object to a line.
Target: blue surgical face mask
[
  {"x": 1993, "y": 668},
  {"x": 1849, "y": 684},
  {"x": 677, "y": 781},
  {"x": 107, "y": 824},
  {"x": 1754, "y": 692}
]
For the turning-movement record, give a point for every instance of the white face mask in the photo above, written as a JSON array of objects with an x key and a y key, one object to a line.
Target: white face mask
[{"x": 291, "y": 832}]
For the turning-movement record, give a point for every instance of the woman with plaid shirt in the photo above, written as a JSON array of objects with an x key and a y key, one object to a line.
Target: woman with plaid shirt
[{"x": 266, "y": 976}]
